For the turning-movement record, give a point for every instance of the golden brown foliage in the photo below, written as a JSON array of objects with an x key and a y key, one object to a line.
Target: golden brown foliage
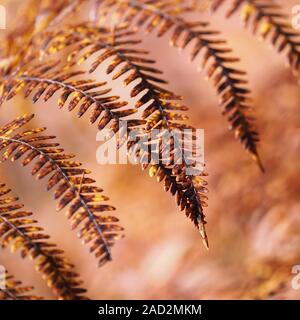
[
  {"x": 22, "y": 233},
  {"x": 162, "y": 16},
  {"x": 15, "y": 291},
  {"x": 161, "y": 110},
  {"x": 267, "y": 20},
  {"x": 73, "y": 189},
  {"x": 107, "y": 38}
]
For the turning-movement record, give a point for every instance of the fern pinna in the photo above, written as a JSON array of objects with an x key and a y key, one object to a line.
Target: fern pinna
[{"x": 42, "y": 59}]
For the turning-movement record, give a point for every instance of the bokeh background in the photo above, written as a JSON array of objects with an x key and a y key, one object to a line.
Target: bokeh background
[{"x": 253, "y": 218}]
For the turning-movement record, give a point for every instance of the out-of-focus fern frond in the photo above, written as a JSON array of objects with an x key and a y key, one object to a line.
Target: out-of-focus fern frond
[
  {"x": 14, "y": 290},
  {"x": 22, "y": 43},
  {"x": 268, "y": 21}
]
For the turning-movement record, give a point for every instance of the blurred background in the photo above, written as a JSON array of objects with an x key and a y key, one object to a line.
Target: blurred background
[{"x": 253, "y": 218}]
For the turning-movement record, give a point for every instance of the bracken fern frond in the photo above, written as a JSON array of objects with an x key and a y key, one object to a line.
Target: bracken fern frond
[
  {"x": 45, "y": 79},
  {"x": 14, "y": 290},
  {"x": 162, "y": 109},
  {"x": 73, "y": 188},
  {"x": 217, "y": 59},
  {"x": 19, "y": 231},
  {"x": 268, "y": 21}
]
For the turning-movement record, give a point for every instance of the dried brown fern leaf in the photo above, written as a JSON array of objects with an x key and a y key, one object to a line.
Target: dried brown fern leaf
[
  {"x": 45, "y": 79},
  {"x": 189, "y": 192},
  {"x": 127, "y": 60},
  {"x": 83, "y": 36},
  {"x": 162, "y": 109},
  {"x": 182, "y": 176},
  {"x": 268, "y": 21},
  {"x": 19, "y": 232},
  {"x": 182, "y": 179},
  {"x": 14, "y": 290},
  {"x": 217, "y": 58},
  {"x": 73, "y": 188}
]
